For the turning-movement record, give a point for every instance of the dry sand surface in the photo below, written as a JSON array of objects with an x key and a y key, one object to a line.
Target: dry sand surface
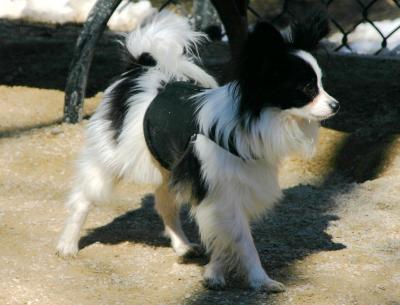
[{"x": 331, "y": 240}]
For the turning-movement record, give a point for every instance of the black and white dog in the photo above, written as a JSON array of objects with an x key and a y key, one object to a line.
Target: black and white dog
[{"x": 166, "y": 122}]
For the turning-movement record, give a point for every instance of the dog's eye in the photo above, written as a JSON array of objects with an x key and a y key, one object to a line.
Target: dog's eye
[
  {"x": 308, "y": 86},
  {"x": 309, "y": 89}
]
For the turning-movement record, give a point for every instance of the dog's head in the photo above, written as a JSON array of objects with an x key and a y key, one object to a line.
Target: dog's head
[{"x": 277, "y": 70}]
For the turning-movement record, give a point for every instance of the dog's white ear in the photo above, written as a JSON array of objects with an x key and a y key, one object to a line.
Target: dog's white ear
[{"x": 306, "y": 34}]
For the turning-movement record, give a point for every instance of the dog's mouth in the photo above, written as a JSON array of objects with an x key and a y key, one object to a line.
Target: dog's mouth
[
  {"x": 323, "y": 107},
  {"x": 325, "y": 117},
  {"x": 317, "y": 116}
]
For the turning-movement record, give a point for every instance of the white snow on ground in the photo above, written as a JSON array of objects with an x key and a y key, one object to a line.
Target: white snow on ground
[
  {"x": 125, "y": 18},
  {"x": 365, "y": 39}
]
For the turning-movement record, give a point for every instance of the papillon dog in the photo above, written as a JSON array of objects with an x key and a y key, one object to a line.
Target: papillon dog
[{"x": 167, "y": 122}]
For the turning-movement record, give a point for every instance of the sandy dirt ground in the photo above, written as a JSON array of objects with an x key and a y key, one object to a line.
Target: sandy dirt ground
[{"x": 334, "y": 238}]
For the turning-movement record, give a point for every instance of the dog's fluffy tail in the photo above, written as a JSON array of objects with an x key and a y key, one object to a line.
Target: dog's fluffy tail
[{"x": 172, "y": 46}]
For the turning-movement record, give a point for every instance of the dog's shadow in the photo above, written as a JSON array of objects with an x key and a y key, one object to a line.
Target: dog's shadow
[
  {"x": 141, "y": 225},
  {"x": 295, "y": 228}
]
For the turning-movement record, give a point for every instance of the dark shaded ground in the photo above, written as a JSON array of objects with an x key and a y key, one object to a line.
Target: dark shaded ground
[{"x": 39, "y": 55}]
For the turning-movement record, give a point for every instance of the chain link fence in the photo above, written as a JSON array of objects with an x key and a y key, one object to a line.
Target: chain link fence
[
  {"x": 346, "y": 16},
  {"x": 362, "y": 26}
]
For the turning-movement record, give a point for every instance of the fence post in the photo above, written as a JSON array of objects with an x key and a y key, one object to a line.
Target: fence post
[
  {"x": 233, "y": 15},
  {"x": 83, "y": 54}
]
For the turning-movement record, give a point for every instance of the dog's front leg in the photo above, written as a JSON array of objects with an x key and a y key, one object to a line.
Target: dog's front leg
[
  {"x": 225, "y": 231},
  {"x": 213, "y": 277},
  {"x": 248, "y": 256}
]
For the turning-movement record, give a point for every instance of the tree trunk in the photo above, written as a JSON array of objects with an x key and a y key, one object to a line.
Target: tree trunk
[{"x": 93, "y": 28}]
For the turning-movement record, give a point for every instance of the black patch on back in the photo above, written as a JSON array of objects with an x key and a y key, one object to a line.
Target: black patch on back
[
  {"x": 170, "y": 122},
  {"x": 186, "y": 176},
  {"x": 119, "y": 96},
  {"x": 126, "y": 88}
]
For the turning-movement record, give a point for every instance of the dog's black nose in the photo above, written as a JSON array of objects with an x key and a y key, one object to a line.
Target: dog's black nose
[{"x": 334, "y": 106}]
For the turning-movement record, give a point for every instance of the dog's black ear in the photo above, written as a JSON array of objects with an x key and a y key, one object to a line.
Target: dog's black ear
[
  {"x": 264, "y": 41},
  {"x": 260, "y": 63},
  {"x": 306, "y": 34}
]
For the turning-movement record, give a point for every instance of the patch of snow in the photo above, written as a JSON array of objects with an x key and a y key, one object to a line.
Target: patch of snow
[
  {"x": 126, "y": 17},
  {"x": 12, "y": 9},
  {"x": 129, "y": 14},
  {"x": 55, "y": 11},
  {"x": 365, "y": 39}
]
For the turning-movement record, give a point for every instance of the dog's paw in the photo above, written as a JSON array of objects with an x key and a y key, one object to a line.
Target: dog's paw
[
  {"x": 213, "y": 277},
  {"x": 268, "y": 285},
  {"x": 214, "y": 283},
  {"x": 194, "y": 250},
  {"x": 274, "y": 287},
  {"x": 189, "y": 251},
  {"x": 67, "y": 249}
]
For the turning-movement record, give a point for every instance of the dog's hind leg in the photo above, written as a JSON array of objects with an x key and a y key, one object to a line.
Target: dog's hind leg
[
  {"x": 168, "y": 208},
  {"x": 94, "y": 184}
]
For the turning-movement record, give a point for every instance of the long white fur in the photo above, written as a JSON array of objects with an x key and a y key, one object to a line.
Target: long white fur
[
  {"x": 103, "y": 160},
  {"x": 275, "y": 134},
  {"x": 165, "y": 37},
  {"x": 239, "y": 191}
]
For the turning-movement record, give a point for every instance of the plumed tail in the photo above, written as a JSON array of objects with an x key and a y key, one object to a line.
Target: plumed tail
[{"x": 166, "y": 40}]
